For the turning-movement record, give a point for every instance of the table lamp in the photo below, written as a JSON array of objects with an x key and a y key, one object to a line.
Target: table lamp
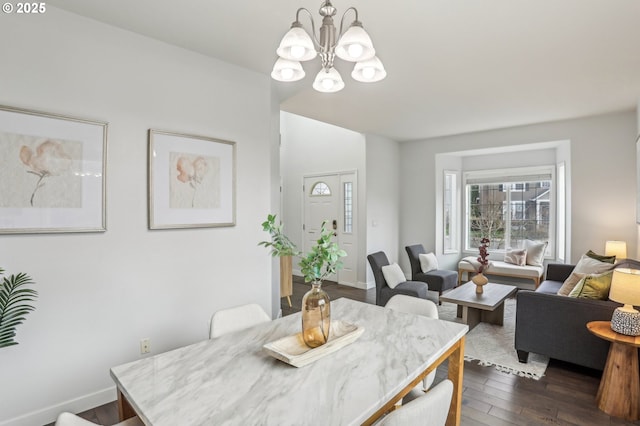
[
  {"x": 625, "y": 289},
  {"x": 616, "y": 248}
]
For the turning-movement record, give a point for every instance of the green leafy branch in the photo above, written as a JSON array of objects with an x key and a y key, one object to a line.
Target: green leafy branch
[
  {"x": 280, "y": 244},
  {"x": 14, "y": 305},
  {"x": 324, "y": 259}
]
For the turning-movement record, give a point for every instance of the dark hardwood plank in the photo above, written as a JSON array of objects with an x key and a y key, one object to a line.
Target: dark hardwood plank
[
  {"x": 534, "y": 417},
  {"x": 471, "y": 416}
]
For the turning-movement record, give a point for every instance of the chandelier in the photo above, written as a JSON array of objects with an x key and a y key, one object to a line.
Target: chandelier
[{"x": 354, "y": 45}]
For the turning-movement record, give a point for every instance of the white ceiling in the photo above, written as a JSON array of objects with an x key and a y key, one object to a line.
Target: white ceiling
[{"x": 454, "y": 66}]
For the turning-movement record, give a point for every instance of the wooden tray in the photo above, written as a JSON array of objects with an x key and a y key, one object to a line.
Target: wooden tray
[{"x": 293, "y": 351}]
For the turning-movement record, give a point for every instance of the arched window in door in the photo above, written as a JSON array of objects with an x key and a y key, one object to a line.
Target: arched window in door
[{"x": 320, "y": 189}]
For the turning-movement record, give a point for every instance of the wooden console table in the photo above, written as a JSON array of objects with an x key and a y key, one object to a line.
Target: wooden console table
[{"x": 619, "y": 391}]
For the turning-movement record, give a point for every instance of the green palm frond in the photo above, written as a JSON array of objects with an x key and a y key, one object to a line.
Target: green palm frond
[{"x": 14, "y": 305}]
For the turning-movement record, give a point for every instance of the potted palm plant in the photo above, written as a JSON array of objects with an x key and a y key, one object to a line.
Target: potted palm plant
[
  {"x": 281, "y": 246},
  {"x": 14, "y": 305},
  {"x": 323, "y": 260}
]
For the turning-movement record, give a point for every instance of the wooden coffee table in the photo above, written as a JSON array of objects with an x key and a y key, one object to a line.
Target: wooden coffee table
[{"x": 486, "y": 307}]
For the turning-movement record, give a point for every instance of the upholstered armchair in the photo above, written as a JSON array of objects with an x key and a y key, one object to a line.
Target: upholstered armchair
[
  {"x": 438, "y": 279},
  {"x": 384, "y": 292}
]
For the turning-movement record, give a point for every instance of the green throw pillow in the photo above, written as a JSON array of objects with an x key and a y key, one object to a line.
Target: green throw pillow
[
  {"x": 593, "y": 287},
  {"x": 601, "y": 257}
]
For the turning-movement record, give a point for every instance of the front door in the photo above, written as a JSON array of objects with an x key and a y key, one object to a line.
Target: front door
[{"x": 332, "y": 198}]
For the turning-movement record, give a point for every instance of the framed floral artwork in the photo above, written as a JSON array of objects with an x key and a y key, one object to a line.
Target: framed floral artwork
[
  {"x": 52, "y": 173},
  {"x": 191, "y": 181}
]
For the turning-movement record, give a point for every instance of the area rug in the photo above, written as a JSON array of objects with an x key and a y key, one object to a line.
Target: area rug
[{"x": 492, "y": 345}]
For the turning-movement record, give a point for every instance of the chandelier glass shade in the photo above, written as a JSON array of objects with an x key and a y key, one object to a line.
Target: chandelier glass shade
[
  {"x": 353, "y": 45},
  {"x": 369, "y": 71},
  {"x": 286, "y": 70},
  {"x": 328, "y": 81},
  {"x": 296, "y": 45}
]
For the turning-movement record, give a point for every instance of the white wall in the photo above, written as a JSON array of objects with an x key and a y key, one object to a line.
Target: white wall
[
  {"x": 313, "y": 147},
  {"x": 100, "y": 293},
  {"x": 563, "y": 156},
  {"x": 529, "y": 156},
  {"x": 275, "y": 196},
  {"x": 383, "y": 199},
  {"x": 637, "y": 182},
  {"x": 602, "y": 174}
]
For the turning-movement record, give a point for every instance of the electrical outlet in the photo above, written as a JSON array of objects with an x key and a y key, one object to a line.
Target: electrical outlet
[{"x": 145, "y": 346}]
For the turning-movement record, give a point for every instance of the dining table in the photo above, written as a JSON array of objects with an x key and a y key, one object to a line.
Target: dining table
[{"x": 233, "y": 380}]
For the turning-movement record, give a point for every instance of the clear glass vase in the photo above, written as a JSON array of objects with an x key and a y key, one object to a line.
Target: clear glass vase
[{"x": 316, "y": 316}]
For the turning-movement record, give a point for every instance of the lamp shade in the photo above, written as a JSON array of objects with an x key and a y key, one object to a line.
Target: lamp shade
[
  {"x": 369, "y": 71},
  {"x": 328, "y": 81},
  {"x": 625, "y": 286},
  {"x": 296, "y": 45},
  {"x": 355, "y": 44},
  {"x": 616, "y": 248},
  {"x": 286, "y": 70}
]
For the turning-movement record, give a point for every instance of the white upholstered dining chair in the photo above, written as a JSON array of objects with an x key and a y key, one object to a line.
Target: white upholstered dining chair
[
  {"x": 70, "y": 419},
  {"x": 430, "y": 409},
  {"x": 416, "y": 306},
  {"x": 236, "y": 319}
]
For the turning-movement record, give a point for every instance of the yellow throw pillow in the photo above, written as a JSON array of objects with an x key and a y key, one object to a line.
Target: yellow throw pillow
[
  {"x": 593, "y": 286},
  {"x": 586, "y": 265}
]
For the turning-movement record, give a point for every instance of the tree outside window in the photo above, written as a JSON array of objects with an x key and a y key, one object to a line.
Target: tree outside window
[{"x": 508, "y": 213}]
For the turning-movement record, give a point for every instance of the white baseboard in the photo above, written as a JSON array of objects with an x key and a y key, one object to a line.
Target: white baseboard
[
  {"x": 361, "y": 285},
  {"x": 50, "y": 414},
  {"x": 364, "y": 285}
]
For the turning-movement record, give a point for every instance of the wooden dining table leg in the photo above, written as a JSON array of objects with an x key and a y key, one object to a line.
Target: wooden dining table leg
[
  {"x": 125, "y": 411},
  {"x": 456, "y": 369},
  {"x": 455, "y": 357}
]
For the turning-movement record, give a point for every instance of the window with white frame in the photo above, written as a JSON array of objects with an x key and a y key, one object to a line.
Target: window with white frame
[
  {"x": 320, "y": 189},
  {"x": 348, "y": 207},
  {"x": 449, "y": 214},
  {"x": 561, "y": 197},
  {"x": 510, "y": 206}
]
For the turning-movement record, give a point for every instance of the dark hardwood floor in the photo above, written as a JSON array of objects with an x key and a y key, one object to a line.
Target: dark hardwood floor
[
  {"x": 334, "y": 290},
  {"x": 564, "y": 396}
]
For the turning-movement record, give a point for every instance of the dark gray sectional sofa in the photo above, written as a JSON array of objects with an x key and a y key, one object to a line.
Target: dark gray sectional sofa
[{"x": 555, "y": 326}]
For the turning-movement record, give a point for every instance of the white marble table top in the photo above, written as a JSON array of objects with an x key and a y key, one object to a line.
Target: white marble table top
[{"x": 230, "y": 380}]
